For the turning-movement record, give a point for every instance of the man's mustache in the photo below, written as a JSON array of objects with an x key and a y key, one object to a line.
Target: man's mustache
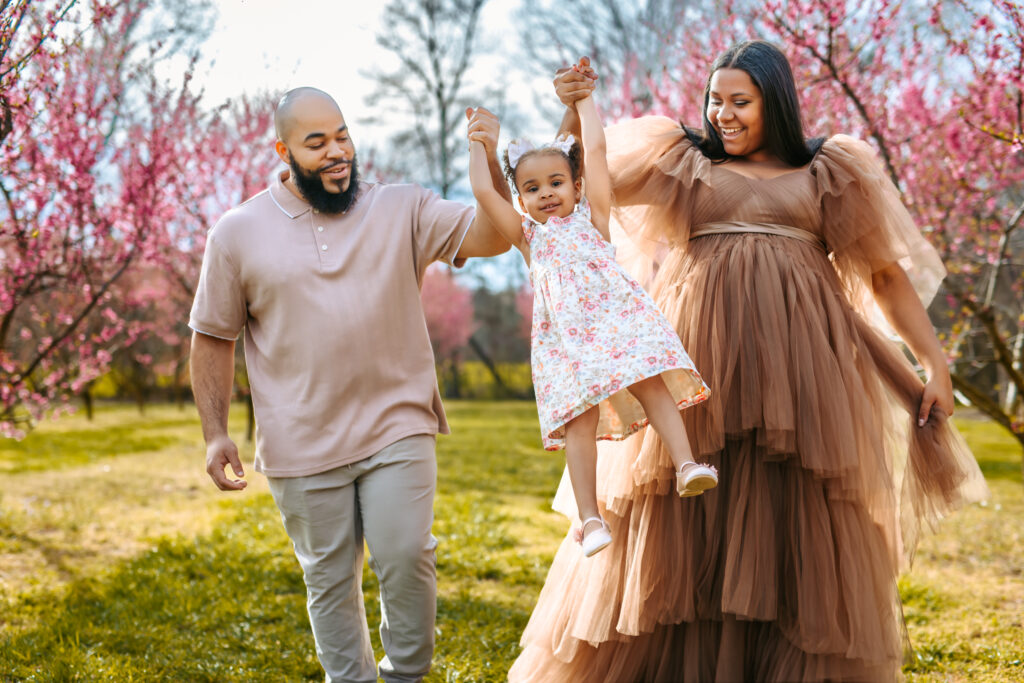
[{"x": 335, "y": 165}]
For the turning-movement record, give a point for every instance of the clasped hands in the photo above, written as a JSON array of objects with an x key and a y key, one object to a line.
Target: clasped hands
[
  {"x": 571, "y": 83},
  {"x": 575, "y": 82}
]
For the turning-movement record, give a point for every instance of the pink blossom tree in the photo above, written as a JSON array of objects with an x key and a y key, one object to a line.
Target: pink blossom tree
[
  {"x": 980, "y": 208},
  {"x": 232, "y": 160},
  {"x": 107, "y": 173},
  {"x": 448, "y": 310}
]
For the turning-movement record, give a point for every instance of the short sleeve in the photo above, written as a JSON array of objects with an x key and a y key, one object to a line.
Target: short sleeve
[
  {"x": 654, "y": 168},
  {"x": 865, "y": 224},
  {"x": 218, "y": 309},
  {"x": 529, "y": 227},
  {"x": 439, "y": 227}
]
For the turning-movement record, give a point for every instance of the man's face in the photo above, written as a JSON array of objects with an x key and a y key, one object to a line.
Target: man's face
[{"x": 322, "y": 157}]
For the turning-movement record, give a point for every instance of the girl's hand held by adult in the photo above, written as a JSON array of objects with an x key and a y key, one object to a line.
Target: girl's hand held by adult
[{"x": 483, "y": 126}]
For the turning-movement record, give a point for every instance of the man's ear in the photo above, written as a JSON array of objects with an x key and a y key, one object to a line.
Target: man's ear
[{"x": 282, "y": 151}]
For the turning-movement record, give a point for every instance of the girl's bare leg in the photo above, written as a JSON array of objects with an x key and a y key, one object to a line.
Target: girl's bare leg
[
  {"x": 581, "y": 460},
  {"x": 664, "y": 415}
]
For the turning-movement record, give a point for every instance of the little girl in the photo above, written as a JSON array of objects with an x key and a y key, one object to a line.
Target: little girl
[{"x": 605, "y": 361}]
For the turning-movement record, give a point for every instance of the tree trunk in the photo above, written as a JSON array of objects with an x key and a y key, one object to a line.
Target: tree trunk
[
  {"x": 482, "y": 354},
  {"x": 87, "y": 402},
  {"x": 179, "y": 385},
  {"x": 140, "y": 399},
  {"x": 455, "y": 382}
]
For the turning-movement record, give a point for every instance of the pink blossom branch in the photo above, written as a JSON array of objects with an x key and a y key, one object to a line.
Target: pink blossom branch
[{"x": 58, "y": 340}]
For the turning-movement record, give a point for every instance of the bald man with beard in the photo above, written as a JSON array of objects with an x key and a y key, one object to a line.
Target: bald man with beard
[{"x": 322, "y": 272}]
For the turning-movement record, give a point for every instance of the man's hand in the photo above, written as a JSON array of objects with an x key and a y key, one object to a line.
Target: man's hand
[
  {"x": 483, "y": 126},
  {"x": 220, "y": 453},
  {"x": 575, "y": 82}
]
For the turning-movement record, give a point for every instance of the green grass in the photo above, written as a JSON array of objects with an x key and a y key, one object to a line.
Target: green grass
[{"x": 119, "y": 561}]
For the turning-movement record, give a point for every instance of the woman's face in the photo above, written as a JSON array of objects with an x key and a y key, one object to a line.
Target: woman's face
[{"x": 736, "y": 111}]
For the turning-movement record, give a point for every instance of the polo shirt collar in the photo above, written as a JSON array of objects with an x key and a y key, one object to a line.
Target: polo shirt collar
[
  {"x": 293, "y": 206},
  {"x": 285, "y": 199}
]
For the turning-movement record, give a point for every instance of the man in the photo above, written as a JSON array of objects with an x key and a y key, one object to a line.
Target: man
[{"x": 322, "y": 272}]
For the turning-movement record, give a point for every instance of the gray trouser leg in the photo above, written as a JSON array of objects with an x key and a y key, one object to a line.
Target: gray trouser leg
[
  {"x": 389, "y": 498},
  {"x": 397, "y": 504},
  {"x": 321, "y": 517}
]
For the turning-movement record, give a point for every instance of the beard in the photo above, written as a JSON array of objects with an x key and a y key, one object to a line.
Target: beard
[{"x": 311, "y": 187}]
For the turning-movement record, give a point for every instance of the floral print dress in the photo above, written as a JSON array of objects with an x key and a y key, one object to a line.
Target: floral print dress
[{"x": 595, "y": 332}]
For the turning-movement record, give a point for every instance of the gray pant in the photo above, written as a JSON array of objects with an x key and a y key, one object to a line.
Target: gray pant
[{"x": 387, "y": 499}]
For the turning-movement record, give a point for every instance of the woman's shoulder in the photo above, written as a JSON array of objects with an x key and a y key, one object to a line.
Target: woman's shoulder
[
  {"x": 846, "y": 150},
  {"x": 843, "y": 159}
]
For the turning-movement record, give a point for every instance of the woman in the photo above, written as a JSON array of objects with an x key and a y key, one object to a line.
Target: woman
[{"x": 767, "y": 250}]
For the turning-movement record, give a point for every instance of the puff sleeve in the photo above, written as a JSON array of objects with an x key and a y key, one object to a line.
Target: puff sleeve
[
  {"x": 653, "y": 167},
  {"x": 865, "y": 224}
]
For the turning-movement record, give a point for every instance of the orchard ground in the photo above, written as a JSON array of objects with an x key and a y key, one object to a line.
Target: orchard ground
[{"x": 120, "y": 561}]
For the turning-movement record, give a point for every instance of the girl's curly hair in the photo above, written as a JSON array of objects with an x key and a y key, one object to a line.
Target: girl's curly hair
[{"x": 574, "y": 158}]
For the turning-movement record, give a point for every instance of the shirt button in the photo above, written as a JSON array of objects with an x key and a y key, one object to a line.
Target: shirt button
[
  {"x": 319, "y": 228},
  {"x": 323, "y": 247}
]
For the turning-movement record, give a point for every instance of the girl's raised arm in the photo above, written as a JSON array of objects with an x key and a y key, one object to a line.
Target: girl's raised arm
[
  {"x": 506, "y": 219},
  {"x": 595, "y": 163}
]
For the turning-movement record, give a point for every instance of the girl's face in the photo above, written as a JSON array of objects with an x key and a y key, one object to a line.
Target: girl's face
[
  {"x": 546, "y": 187},
  {"x": 736, "y": 111}
]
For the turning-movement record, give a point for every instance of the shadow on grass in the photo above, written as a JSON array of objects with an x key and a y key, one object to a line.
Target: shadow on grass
[
  {"x": 71, "y": 449},
  {"x": 48, "y": 450},
  {"x": 1000, "y": 468},
  {"x": 495, "y": 448}
]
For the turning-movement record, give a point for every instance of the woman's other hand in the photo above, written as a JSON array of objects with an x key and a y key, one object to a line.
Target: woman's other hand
[
  {"x": 575, "y": 82},
  {"x": 938, "y": 393}
]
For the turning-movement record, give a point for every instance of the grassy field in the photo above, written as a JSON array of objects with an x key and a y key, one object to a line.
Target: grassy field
[{"x": 119, "y": 560}]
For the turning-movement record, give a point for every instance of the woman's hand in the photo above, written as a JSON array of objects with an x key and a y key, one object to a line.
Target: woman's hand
[
  {"x": 575, "y": 82},
  {"x": 907, "y": 315},
  {"x": 938, "y": 392}
]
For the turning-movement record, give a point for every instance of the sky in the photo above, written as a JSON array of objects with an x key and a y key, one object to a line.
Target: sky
[{"x": 257, "y": 45}]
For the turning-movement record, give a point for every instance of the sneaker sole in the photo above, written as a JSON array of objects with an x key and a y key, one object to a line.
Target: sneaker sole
[
  {"x": 698, "y": 485},
  {"x": 594, "y": 551}
]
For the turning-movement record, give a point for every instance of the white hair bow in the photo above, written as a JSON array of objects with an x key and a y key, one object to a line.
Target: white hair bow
[{"x": 520, "y": 146}]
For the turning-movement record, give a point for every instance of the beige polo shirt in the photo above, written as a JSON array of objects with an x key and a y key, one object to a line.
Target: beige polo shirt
[{"x": 336, "y": 346}]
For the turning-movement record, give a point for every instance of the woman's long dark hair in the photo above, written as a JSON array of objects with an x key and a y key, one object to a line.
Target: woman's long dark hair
[{"x": 783, "y": 127}]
